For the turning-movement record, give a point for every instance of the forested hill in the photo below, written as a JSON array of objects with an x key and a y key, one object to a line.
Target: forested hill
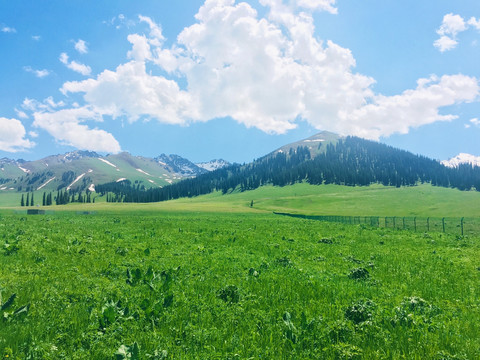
[{"x": 350, "y": 161}]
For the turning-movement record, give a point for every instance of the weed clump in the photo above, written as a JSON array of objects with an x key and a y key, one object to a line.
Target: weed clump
[
  {"x": 360, "y": 311},
  {"x": 284, "y": 262},
  {"x": 348, "y": 352},
  {"x": 230, "y": 294},
  {"x": 359, "y": 274},
  {"x": 10, "y": 248},
  {"x": 414, "y": 311}
]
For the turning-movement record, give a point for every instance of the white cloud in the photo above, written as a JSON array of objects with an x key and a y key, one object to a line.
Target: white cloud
[
  {"x": 140, "y": 48},
  {"x": 474, "y": 22},
  {"x": 445, "y": 43},
  {"x": 155, "y": 30},
  {"x": 21, "y": 114},
  {"x": 262, "y": 72},
  {"x": 12, "y": 136},
  {"x": 325, "y": 5},
  {"x": 475, "y": 122},
  {"x": 453, "y": 25},
  {"x": 36, "y": 37},
  {"x": 67, "y": 127},
  {"x": 75, "y": 66},
  {"x": 130, "y": 91},
  {"x": 398, "y": 114},
  {"x": 7, "y": 29},
  {"x": 38, "y": 73},
  {"x": 48, "y": 104},
  {"x": 33, "y": 134},
  {"x": 81, "y": 46},
  {"x": 120, "y": 21},
  {"x": 265, "y": 74}
]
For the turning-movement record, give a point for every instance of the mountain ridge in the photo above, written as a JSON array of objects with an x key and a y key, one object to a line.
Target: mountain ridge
[{"x": 80, "y": 170}]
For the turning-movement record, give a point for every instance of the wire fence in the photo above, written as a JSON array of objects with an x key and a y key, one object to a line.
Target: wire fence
[{"x": 460, "y": 226}]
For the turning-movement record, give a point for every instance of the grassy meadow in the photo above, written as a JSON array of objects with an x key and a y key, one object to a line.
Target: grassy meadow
[
  {"x": 375, "y": 200},
  {"x": 213, "y": 278}
]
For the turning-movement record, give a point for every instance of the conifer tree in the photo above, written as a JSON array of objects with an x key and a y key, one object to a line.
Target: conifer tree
[
  {"x": 31, "y": 201},
  {"x": 22, "y": 202},
  {"x": 28, "y": 200}
]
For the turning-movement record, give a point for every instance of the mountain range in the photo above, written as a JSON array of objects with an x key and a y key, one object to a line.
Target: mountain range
[
  {"x": 322, "y": 158},
  {"x": 81, "y": 170}
]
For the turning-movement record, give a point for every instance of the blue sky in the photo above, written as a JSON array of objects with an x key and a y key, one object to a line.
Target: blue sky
[{"x": 237, "y": 79}]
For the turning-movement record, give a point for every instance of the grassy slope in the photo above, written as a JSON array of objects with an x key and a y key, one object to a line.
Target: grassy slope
[{"x": 423, "y": 200}]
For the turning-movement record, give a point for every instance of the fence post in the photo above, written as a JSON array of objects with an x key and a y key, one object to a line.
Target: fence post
[
  {"x": 461, "y": 222},
  {"x": 443, "y": 224},
  {"x": 428, "y": 224}
]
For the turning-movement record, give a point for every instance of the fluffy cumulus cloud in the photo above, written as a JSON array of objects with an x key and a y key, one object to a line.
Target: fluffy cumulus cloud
[
  {"x": 12, "y": 136},
  {"x": 131, "y": 92},
  {"x": 413, "y": 108},
  {"x": 264, "y": 72},
  {"x": 452, "y": 25},
  {"x": 67, "y": 127}
]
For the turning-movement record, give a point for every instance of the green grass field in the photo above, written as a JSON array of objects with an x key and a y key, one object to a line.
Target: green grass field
[
  {"x": 199, "y": 285},
  {"x": 213, "y": 278}
]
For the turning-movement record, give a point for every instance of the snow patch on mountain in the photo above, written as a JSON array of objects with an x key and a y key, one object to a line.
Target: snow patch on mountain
[
  {"x": 74, "y": 181},
  {"x": 45, "y": 184},
  {"x": 107, "y": 162},
  {"x": 213, "y": 164},
  {"x": 143, "y": 172},
  {"x": 462, "y": 158}
]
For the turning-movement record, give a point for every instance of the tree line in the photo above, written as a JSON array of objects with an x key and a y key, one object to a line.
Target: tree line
[{"x": 61, "y": 198}]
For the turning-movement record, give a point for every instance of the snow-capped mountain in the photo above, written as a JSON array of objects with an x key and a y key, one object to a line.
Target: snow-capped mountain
[
  {"x": 79, "y": 170},
  {"x": 179, "y": 165},
  {"x": 462, "y": 158},
  {"x": 213, "y": 165}
]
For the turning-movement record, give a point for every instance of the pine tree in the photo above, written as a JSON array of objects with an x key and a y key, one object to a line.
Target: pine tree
[
  {"x": 22, "y": 202},
  {"x": 31, "y": 201},
  {"x": 44, "y": 200},
  {"x": 28, "y": 200}
]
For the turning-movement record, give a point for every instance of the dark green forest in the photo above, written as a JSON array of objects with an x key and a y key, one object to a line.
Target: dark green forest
[{"x": 351, "y": 162}]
